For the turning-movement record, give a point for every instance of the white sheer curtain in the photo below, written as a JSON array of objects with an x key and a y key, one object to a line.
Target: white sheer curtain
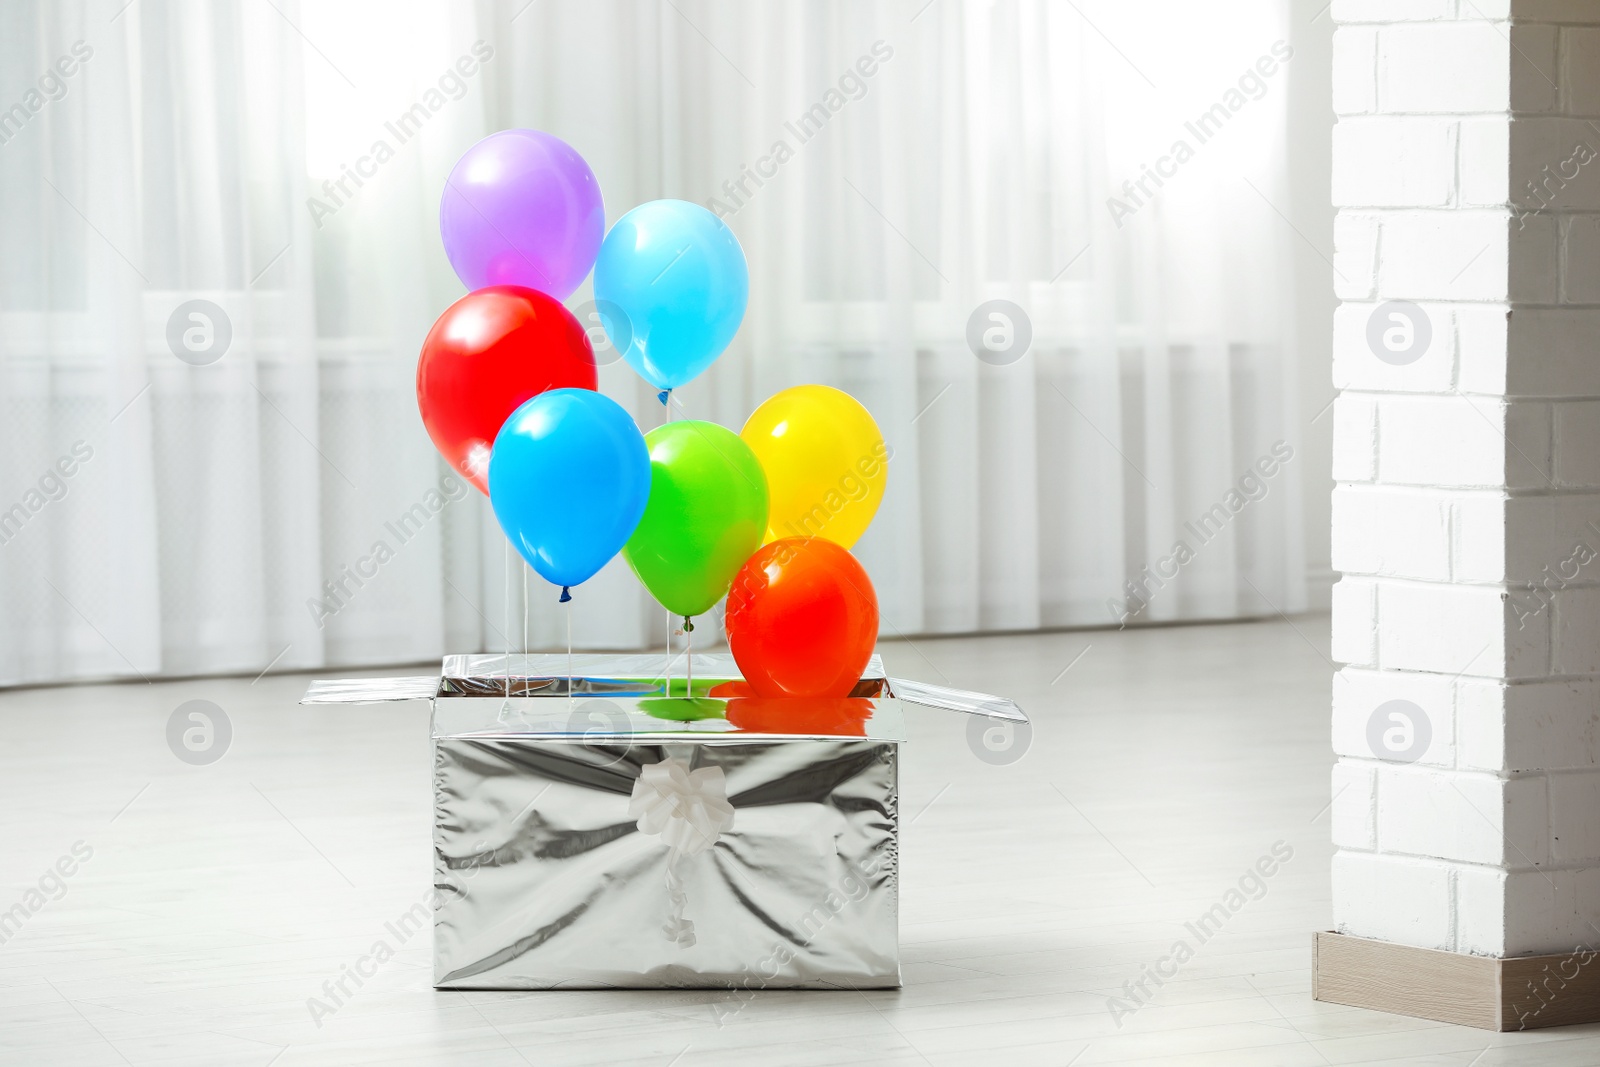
[{"x": 280, "y": 507}]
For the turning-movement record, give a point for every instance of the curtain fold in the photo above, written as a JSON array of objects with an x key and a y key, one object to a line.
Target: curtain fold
[{"x": 221, "y": 256}]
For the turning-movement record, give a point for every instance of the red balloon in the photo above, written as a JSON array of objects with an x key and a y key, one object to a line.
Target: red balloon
[
  {"x": 489, "y": 353},
  {"x": 802, "y": 619}
]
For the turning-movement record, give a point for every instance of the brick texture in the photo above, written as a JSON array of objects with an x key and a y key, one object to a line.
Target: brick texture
[{"x": 1466, "y": 518}]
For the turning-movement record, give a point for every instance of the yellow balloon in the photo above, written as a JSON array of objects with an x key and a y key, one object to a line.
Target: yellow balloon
[{"x": 826, "y": 463}]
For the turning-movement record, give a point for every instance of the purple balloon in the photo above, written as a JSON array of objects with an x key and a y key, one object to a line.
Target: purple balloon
[{"x": 521, "y": 207}]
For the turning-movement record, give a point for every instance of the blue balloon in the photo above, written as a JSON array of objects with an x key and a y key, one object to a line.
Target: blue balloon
[
  {"x": 569, "y": 476},
  {"x": 679, "y": 279}
]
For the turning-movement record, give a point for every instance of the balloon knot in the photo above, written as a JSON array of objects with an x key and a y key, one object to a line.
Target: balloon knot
[
  {"x": 565, "y": 595},
  {"x": 662, "y": 396},
  {"x": 688, "y": 626}
]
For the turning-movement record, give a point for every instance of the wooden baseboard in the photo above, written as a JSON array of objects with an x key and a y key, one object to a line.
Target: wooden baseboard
[{"x": 1521, "y": 993}]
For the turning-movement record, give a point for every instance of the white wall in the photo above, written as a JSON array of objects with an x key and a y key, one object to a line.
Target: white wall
[
  {"x": 1468, "y": 508},
  {"x": 1311, "y": 212}
]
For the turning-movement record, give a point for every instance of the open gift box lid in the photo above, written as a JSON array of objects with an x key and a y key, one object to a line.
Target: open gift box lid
[{"x": 644, "y": 697}]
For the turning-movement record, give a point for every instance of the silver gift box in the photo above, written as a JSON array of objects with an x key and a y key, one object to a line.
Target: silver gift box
[{"x": 605, "y": 822}]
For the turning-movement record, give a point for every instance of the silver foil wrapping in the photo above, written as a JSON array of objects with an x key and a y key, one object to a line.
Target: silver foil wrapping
[
  {"x": 544, "y": 879},
  {"x": 620, "y": 826}
]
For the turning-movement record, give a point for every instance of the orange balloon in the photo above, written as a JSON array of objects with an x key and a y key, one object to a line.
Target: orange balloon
[{"x": 802, "y": 619}]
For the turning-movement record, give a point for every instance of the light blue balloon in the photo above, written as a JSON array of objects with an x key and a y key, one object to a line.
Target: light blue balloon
[
  {"x": 569, "y": 477},
  {"x": 679, "y": 278}
]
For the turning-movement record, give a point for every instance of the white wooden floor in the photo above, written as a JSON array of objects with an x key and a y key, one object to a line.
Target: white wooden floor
[{"x": 218, "y": 899}]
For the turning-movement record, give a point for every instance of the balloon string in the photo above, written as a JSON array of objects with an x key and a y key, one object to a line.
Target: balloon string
[
  {"x": 688, "y": 658},
  {"x": 506, "y": 616},
  {"x": 569, "y": 652},
  {"x": 525, "y": 570},
  {"x": 666, "y": 687}
]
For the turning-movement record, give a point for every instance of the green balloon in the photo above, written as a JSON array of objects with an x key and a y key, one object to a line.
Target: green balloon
[{"x": 707, "y": 513}]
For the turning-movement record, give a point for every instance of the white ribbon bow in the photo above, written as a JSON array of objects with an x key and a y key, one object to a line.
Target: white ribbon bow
[{"x": 690, "y": 810}]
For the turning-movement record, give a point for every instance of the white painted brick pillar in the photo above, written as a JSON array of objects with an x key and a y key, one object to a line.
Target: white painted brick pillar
[{"x": 1466, "y": 519}]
